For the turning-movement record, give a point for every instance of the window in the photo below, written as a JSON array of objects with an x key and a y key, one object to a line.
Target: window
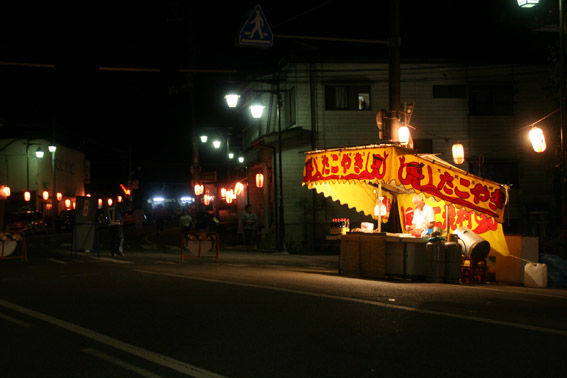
[
  {"x": 347, "y": 97},
  {"x": 449, "y": 91},
  {"x": 490, "y": 100},
  {"x": 290, "y": 107}
]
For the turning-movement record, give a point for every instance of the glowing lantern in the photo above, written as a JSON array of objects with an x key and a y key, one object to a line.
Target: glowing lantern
[
  {"x": 74, "y": 205},
  {"x": 404, "y": 134},
  {"x": 67, "y": 203},
  {"x": 238, "y": 188},
  {"x": 257, "y": 111},
  {"x": 230, "y": 196},
  {"x": 45, "y": 195},
  {"x": 527, "y": 3},
  {"x": 207, "y": 199},
  {"x": 199, "y": 189},
  {"x": 231, "y": 100},
  {"x": 6, "y": 191},
  {"x": 59, "y": 195},
  {"x": 27, "y": 196},
  {"x": 538, "y": 139},
  {"x": 99, "y": 203},
  {"x": 458, "y": 153},
  {"x": 259, "y": 180},
  {"x": 110, "y": 202},
  {"x": 48, "y": 206},
  {"x": 223, "y": 192}
]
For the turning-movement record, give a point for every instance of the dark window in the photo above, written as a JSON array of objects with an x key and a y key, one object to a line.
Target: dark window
[
  {"x": 485, "y": 100},
  {"x": 347, "y": 97},
  {"x": 449, "y": 91},
  {"x": 423, "y": 146},
  {"x": 290, "y": 107}
]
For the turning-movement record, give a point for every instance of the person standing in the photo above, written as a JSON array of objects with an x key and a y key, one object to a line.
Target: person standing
[
  {"x": 423, "y": 217},
  {"x": 116, "y": 219},
  {"x": 249, "y": 227}
]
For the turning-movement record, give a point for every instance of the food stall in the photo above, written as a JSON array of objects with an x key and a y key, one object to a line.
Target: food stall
[{"x": 378, "y": 180}]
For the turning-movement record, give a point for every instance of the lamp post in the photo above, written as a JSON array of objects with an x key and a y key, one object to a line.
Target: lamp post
[
  {"x": 52, "y": 148},
  {"x": 562, "y": 110}
]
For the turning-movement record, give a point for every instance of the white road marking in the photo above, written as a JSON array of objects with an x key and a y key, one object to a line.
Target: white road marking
[
  {"x": 526, "y": 327},
  {"x": 117, "y": 261},
  {"x": 156, "y": 358},
  {"x": 118, "y": 362},
  {"x": 14, "y": 320},
  {"x": 57, "y": 261}
]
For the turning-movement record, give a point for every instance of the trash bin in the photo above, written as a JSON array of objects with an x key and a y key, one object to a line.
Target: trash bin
[{"x": 453, "y": 257}]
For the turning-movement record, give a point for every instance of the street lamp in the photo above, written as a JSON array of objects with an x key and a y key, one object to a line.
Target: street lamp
[
  {"x": 52, "y": 148},
  {"x": 232, "y": 100},
  {"x": 257, "y": 110},
  {"x": 563, "y": 112}
]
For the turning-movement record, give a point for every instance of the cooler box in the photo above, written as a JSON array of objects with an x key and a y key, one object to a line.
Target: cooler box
[{"x": 535, "y": 275}]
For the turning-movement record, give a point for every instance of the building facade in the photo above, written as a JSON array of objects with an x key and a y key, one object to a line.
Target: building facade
[
  {"x": 64, "y": 171},
  {"x": 488, "y": 109}
]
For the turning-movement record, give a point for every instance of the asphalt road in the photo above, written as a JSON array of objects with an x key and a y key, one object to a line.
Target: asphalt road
[{"x": 262, "y": 315}]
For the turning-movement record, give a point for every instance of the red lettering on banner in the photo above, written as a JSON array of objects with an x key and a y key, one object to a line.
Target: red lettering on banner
[
  {"x": 446, "y": 183},
  {"x": 497, "y": 199},
  {"x": 480, "y": 193},
  {"x": 485, "y": 224},
  {"x": 358, "y": 162},
  {"x": 326, "y": 165},
  {"x": 346, "y": 161},
  {"x": 464, "y": 216}
]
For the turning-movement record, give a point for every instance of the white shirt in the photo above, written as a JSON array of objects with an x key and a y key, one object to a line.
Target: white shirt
[{"x": 421, "y": 218}]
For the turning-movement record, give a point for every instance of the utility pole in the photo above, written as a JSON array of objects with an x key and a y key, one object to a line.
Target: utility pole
[{"x": 394, "y": 68}]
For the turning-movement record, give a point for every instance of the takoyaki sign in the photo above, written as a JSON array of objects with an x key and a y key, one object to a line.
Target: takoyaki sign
[{"x": 406, "y": 172}]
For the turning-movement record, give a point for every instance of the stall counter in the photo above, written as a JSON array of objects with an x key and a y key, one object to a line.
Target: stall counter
[{"x": 381, "y": 254}]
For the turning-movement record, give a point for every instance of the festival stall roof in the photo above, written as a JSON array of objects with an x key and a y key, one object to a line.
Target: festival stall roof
[{"x": 354, "y": 175}]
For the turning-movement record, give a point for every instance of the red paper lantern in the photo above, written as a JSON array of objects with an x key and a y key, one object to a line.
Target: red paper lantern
[{"x": 259, "y": 180}]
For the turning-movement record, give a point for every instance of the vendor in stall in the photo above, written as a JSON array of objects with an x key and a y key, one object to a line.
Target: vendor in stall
[{"x": 423, "y": 217}]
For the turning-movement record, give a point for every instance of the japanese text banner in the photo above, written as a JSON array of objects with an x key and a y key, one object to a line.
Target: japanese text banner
[{"x": 391, "y": 165}]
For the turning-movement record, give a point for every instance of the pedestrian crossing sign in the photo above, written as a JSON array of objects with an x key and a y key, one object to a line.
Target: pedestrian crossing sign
[{"x": 256, "y": 30}]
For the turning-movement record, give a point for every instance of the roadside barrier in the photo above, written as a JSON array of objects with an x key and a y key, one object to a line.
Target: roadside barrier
[
  {"x": 10, "y": 241},
  {"x": 200, "y": 244}
]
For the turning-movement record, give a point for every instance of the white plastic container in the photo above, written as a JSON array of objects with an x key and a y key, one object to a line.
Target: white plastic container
[{"x": 535, "y": 275}]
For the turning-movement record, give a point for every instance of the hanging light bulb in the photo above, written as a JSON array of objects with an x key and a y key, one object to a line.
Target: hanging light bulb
[
  {"x": 458, "y": 153},
  {"x": 538, "y": 139},
  {"x": 403, "y": 135}
]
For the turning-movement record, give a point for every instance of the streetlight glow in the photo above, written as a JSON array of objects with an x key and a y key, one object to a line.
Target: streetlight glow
[
  {"x": 231, "y": 155},
  {"x": 204, "y": 138},
  {"x": 216, "y": 144},
  {"x": 257, "y": 110},
  {"x": 232, "y": 100},
  {"x": 538, "y": 139},
  {"x": 241, "y": 159},
  {"x": 39, "y": 153},
  {"x": 52, "y": 148},
  {"x": 527, "y": 3}
]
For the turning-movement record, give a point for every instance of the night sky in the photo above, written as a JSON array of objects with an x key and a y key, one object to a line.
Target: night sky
[{"x": 124, "y": 120}]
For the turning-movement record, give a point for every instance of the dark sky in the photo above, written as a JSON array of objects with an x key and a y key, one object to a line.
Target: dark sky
[{"x": 125, "y": 119}]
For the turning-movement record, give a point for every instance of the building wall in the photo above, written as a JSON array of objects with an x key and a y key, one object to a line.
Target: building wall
[
  {"x": 491, "y": 141},
  {"x": 69, "y": 167}
]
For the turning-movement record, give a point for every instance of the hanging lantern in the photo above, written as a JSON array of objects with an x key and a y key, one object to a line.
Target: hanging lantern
[
  {"x": 59, "y": 195},
  {"x": 223, "y": 192},
  {"x": 99, "y": 203},
  {"x": 458, "y": 153},
  {"x": 45, "y": 195},
  {"x": 232, "y": 100},
  {"x": 199, "y": 189},
  {"x": 119, "y": 199},
  {"x": 74, "y": 204},
  {"x": 229, "y": 196},
  {"x": 5, "y": 191},
  {"x": 110, "y": 202},
  {"x": 27, "y": 196},
  {"x": 257, "y": 110},
  {"x": 48, "y": 206},
  {"x": 68, "y": 203},
  {"x": 238, "y": 188},
  {"x": 404, "y": 134},
  {"x": 538, "y": 139},
  {"x": 259, "y": 180}
]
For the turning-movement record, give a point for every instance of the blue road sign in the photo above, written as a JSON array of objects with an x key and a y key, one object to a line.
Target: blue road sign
[{"x": 256, "y": 31}]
